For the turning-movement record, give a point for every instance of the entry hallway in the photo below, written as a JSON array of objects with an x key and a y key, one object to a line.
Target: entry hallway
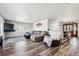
[{"x": 30, "y": 48}]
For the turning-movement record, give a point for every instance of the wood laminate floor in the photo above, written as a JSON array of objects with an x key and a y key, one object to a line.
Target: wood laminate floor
[{"x": 30, "y": 48}]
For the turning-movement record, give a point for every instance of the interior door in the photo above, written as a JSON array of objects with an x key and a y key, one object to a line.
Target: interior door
[{"x": 75, "y": 30}]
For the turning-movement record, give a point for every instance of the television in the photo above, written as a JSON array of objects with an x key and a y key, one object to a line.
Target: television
[{"x": 8, "y": 27}]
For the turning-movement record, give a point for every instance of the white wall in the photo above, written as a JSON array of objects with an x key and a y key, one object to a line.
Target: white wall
[
  {"x": 1, "y": 26},
  {"x": 21, "y": 29},
  {"x": 43, "y": 27},
  {"x": 54, "y": 25}
]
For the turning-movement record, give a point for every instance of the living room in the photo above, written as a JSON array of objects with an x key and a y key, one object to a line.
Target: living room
[{"x": 39, "y": 29}]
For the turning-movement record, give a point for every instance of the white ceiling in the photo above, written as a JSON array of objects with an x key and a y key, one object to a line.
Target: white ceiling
[{"x": 31, "y": 12}]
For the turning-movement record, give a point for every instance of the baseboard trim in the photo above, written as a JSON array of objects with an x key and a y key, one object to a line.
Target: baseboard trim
[{"x": 13, "y": 37}]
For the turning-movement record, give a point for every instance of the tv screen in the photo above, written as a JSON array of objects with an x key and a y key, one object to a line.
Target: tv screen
[{"x": 8, "y": 27}]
